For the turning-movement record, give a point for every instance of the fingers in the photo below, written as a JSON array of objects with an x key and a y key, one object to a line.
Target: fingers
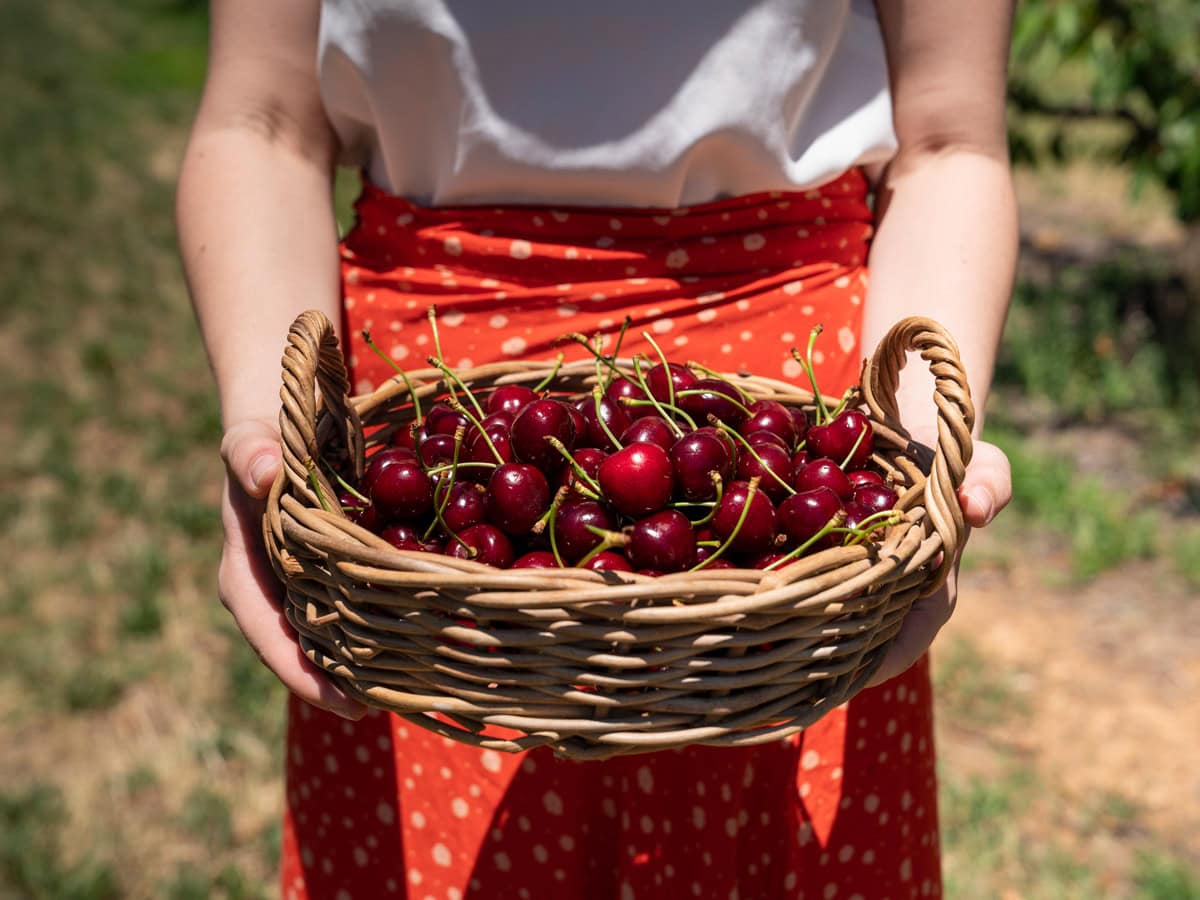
[
  {"x": 987, "y": 487},
  {"x": 251, "y": 452}
]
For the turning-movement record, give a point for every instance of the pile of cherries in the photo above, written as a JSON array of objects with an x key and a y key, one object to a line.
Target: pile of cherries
[{"x": 663, "y": 468}]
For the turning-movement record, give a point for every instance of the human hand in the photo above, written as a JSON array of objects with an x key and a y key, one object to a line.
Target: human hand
[
  {"x": 986, "y": 489},
  {"x": 246, "y": 582}
]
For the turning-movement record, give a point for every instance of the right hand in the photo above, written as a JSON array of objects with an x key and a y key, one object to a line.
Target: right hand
[{"x": 247, "y": 584}]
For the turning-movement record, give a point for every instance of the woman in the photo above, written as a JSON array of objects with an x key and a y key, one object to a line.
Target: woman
[{"x": 701, "y": 167}]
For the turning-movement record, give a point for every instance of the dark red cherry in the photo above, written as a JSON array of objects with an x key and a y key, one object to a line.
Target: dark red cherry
[
  {"x": 712, "y": 396},
  {"x": 758, "y": 530},
  {"x": 772, "y": 458},
  {"x": 859, "y": 477},
  {"x": 836, "y": 439},
  {"x": 772, "y": 416},
  {"x": 649, "y": 429},
  {"x": 729, "y": 440},
  {"x": 610, "y": 412},
  {"x": 589, "y": 459},
  {"x": 762, "y": 560},
  {"x": 624, "y": 389},
  {"x": 695, "y": 456},
  {"x": 404, "y": 436},
  {"x": 607, "y": 560},
  {"x": 535, "y": 559},
  {"x": 637, "y": 480},
  {"x": 855, "y": 513},
  {"x": 437, "y": 450},
  {"x": 485, "y": 544},
  {"x": 380, "y": 460},
  {"x": 477, "y": 451},
  {"x": 800, "y": 417},
  {"x": 517, "y": 496},
  {"x": 467, "y": 505},
  {"x": 875, "y": 497},
  {"x": 680, "y": 376},
  {"x": 538, "y": 421},
  {"x": 664, "y": 542},
  {"x": 824, "y": 473},
  {"x": 510, "y": 398},
  {"x": 571, "y": 534},
  {"x": 402, "y": 491},
  {"x": 804, "y": 514},
  {"x": 404, "y": 536},
  {"x": 444, "y": 420}
]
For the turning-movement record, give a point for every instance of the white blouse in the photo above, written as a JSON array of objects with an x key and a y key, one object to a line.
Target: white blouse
[{"x": 609, "y": 102}]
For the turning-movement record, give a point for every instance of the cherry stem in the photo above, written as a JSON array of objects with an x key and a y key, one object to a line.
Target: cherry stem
[
  {"x": 579, "y": 472},
  {"x": 883, "y": 519},
  {"x": 714, "y": 421},
  {"x": 346, "y": 486},
  {"x": 541, "y": 385},
  {"x": 842, "y": 403},
  {"x": 807, "y": 365},
  {"x": 650, "y": 398},
  {"x": 834, "y": 523},
  {"x": 691, "y": 392},
  {"x": 660, "y": 406},
  {"x": 439, "y": 509},
  {"x": 454, "y": 380},
  {"x": 559, "y": 496},
  {"x": 662, "y": 358},
  {"x": 431, "y": 312},
  {"x": 601, "y": 358},
  {"x": 625, "y": 323},
  {"x": 455, "y": 404},
  {"x": 857, "y": 443},
  {"x": 719, "y": 484},
  {"x": 438, "y": 470},
  {"x": 608, "y": 432},
  {"x": 375, "y": 348},
  {"x": 316, "y": 484},
  {"x": 608, "y": 540},
  {"x": 713, "y": 373},
  {"x": 751, "y": 492}
]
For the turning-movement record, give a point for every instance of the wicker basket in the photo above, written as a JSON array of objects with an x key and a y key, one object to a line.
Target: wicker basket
[{"x": 596, "y": 664}]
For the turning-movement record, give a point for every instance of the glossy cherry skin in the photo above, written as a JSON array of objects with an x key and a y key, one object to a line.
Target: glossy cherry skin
[
  {"x": 695, "y": 456},
  {"x": 608, "y": 561},
  {"x": 535, "y": 559},
  {"x": 571, "y": 522},
  {"x": 380, "y": 460},
  {"x": 755, "y": 438},
  {"x": 517, "y": 496},
  {"x": 405, "y": 436},
  {"x": 467, "y": 505},
  {"x": 771, "y": 459},
  {"x": 444, "y": 420},
  {"x": 800, "y": 417},
  {"x": 762, "y": 560},
  {"x": 610, "y": 412},
  {"x": 729, "y": 440},
  {"x": 824, "y": 473},
  {"x": 404, "y": 536},
  {"x": 859, "y": 477},
  {"x": 651, "y": 430},
  {"x": 510, "y": 398},
  {"x": 855, "y": 513},
  {"x": 402, "y": 491},
  {"x": 360, "y": 512},
  {"x": 437, "y": 450},
  {"x": 875, "y": 497},
  {"x": 772, "y": 416},
  {"x": 663, "y": 542},
  {"x": 836, "y": 439},
  {"x": 715, "y": 397},
  {"x": 538, "y": 421},
  {"x": 758, "y": 530},
  {"x": 589, "y": 459},
  {"x": 488, "y": 545},
  {"x": 624, "y": 389},
  {"x": 803, "y": 515},
  {"x": 637, "y": 480},
  {"x": 680, "y": 376}
]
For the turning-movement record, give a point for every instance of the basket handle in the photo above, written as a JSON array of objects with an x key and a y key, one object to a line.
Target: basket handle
[
  {"x": 311, "y": 360},
  {"x": 955, "y": 419}
]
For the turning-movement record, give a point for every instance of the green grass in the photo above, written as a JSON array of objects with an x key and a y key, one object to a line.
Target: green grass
[
  {"x": 1159, "y": 876},
  {"x": 973, "y": 692}
]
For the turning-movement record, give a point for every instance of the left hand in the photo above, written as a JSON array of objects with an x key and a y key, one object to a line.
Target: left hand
[{"x": 986, "y": 489}]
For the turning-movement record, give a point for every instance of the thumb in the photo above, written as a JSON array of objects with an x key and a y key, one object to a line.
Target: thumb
[
  {"x": 987, "y": 486},
  {"x": 251, "y": 452}
]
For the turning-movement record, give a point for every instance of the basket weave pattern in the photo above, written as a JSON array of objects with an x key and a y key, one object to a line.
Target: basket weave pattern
[{"x": 595, "y": 664}]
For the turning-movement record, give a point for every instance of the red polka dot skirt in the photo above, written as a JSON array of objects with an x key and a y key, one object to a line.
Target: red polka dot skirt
[{"x": 847, "y": 809}]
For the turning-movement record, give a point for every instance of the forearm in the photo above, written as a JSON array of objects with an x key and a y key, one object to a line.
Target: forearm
[
  {"x": 946, "y": 248},
  {"x": 259, "y": 245}
]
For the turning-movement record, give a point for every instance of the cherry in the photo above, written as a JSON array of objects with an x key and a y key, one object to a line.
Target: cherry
[
  {"x": 477, "y": 451},
  {"x": 680, "y": 376},
  {"x": 695, "y": 456},
  {"x": 611, "y": 413},
  {"x": 359, "y": 511},
  {"x": 571, "y": 534},
  {"x": 772, "y": 458},
  {"x": 835, "y": 439},
  {"x": 588, "y": 459},
  {"x": 772, "y": 416},
  {"x": 803, "y": 515},
  {"x": 875, "y": 497},
  {"x": 517, "y": 496},
  {"x": 663, "y": 542},
  {"x": 510, "y": 398},
  {"x": 758, "y": 529},
  {"x": 437, "y": 450},
  {"x": 652, "y": 429},
  {"x": 859, "y": 477},
  {"x": 485, "y": 544},
  {"x": 800, "y": 417},
  {"x": 388, "y": 456},
  {"x": 762, "y": 560},
  {"x": 855, "y": 513},
  {"x": 402, "y": 491},
  {"x": 444, "y": 420},
  {"x": 607, "y": 560},
  {"x": 404, "y": 436},
  {"x": 404, "y": 536},
  {"x": 712, "y": 396},
  {"x": 467, "y": 505},
  {"x": 535, "y": 559},
  {"x": 799, "y": 458},
  {"x": 638, "y": 479},
  {"x": 725, "y": 436},
  {"x": 824, "y": 473},
  {"x": 624, "y": 389},
  {"x": 536, "y": 422},
  {"x": 757, "y": 438}
]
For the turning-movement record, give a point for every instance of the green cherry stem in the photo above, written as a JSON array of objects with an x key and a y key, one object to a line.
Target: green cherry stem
[
  {"x": 608, "y": 540},
  {"x": 751, "y": 492},
  {"x": 857, "y": 443},
  {"x": 446, "y": 487},
  {"x": 691, "y": 392},
  {"x": 453, "y": 378},
  {"x": 717, "y": 423},
  {"x": 719, "y": 484},
  {"x": 713, "y": 373},
  {"x": 650, "y": 398},
  {"x": 660, "y": 406},
  {"x": 378, "y": 351},
  {"x": 455, "y": 404},
  {"x": 662, "y": 358},
  {"x": 541, "y": 385},
  {"x": 608, "y": 432},
  {"x": 806, "y": 364},
  {"x": 578, "y": 469},
  {"x": 834, "y": 523},
  {"x": 559, "y": 496},
  {"x": 346, "y": 486},
  {"x": 311, "y": 467}
]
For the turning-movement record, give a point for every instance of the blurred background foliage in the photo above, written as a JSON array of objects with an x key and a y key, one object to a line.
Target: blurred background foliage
[{"x": 141, "y": 737}]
